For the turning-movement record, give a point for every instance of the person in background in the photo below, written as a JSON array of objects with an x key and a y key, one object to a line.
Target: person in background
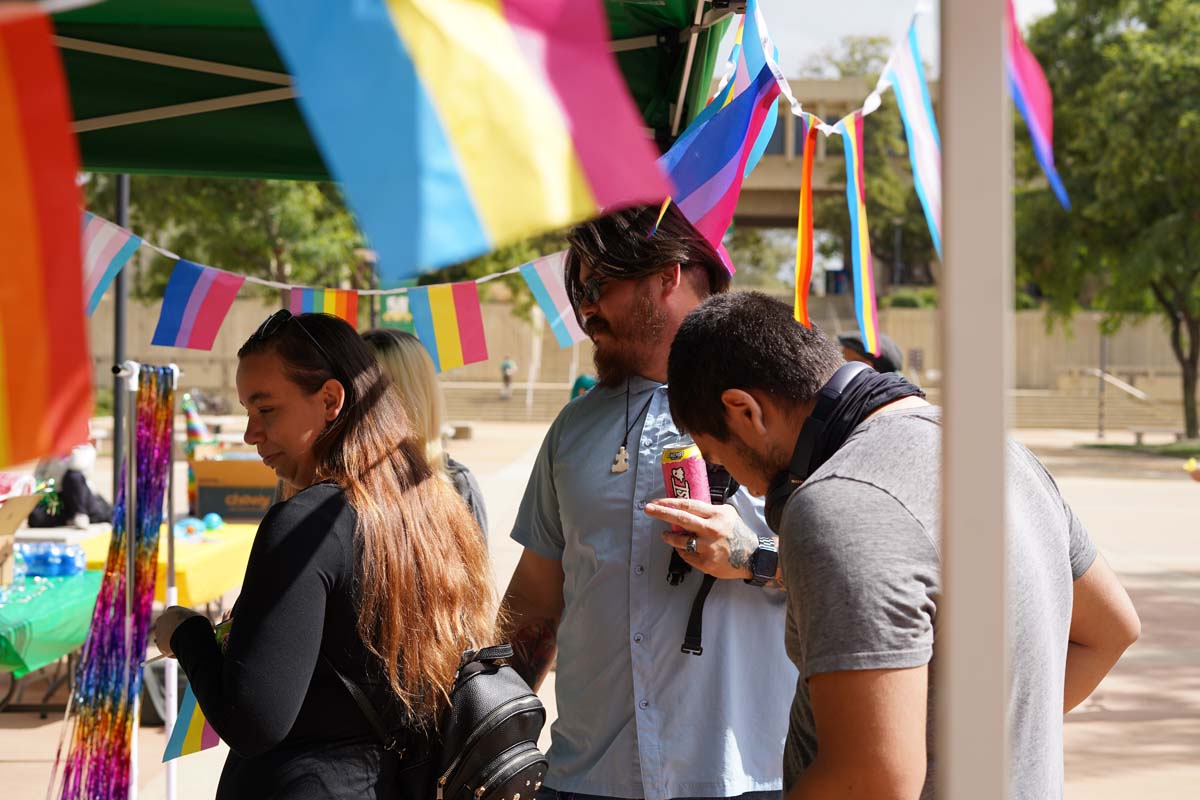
[
  {"x": 370, "y": 571},
  {"x": 78, "y": 504},
  {"x": 855, "y": 500},
  {"x": 508, "y": 368},
  {"x": 890, "y": 358},
  {"x": 582, "y": 385},
  {"x": 406, "y": 361}
]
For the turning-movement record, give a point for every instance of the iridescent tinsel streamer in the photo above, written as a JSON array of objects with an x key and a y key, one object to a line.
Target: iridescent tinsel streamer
[{"x": 108, "y": 677}]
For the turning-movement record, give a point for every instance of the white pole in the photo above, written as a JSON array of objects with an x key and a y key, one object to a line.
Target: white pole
[
  {"x": 171, "y": 667},
  {"x": 537, "y": 323},
  {"x": 131, "y": 370},
  {"x": 976, "y": 341},
  {"x": 573, "y": 373}
]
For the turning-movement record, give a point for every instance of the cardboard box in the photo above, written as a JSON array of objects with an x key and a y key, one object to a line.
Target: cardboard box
[
  {"x": 239, "y": 488},
  {"x": 13, "y": 512}
]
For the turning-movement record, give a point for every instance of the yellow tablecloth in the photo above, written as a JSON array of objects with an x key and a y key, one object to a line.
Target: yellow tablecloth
[{"x": 205, "y": 567}]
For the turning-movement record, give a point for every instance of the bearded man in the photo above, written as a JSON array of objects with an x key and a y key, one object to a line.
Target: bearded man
[{"x": 638, "y": 717}]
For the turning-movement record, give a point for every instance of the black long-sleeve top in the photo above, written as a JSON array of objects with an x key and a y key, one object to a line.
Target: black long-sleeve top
[{"x": 293, "y": 728}]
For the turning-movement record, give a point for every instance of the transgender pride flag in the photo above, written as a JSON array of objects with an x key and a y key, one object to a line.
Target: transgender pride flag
[
  {"x": 545, "y": 279},
  {"x": 906, "y": 74},
  {"x": 106, "y": 249}
]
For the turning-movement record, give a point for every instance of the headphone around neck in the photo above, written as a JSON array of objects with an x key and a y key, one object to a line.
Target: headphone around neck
[{"x": 800, "y": 467}]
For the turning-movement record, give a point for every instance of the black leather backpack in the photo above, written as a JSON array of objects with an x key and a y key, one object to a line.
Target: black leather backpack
[{"x": 487, "y": 743}]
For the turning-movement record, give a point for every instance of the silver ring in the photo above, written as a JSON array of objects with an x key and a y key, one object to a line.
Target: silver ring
[{"x": 691, "y": 544}]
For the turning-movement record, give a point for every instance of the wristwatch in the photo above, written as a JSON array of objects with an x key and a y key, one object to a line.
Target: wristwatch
[{"x": 763, "y": 562}]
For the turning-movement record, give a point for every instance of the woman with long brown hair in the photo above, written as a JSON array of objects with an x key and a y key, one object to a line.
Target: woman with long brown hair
[{"x": 370, "y": 568}]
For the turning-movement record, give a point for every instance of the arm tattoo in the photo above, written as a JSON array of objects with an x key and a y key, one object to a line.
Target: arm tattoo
[
  {"x": 534, "y": 646},
  {"x": 742, "y": 544}
]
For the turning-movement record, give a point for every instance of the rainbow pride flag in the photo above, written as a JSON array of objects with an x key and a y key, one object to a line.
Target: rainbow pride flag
[
  {"x": 851, "y": 128},
  {"x": 45, "y": 367},
  {"x": 804, "y": 219},
  {"x": 545, "y": 278},
  {"x": 906, "y": 74},
  {"x": 711, "y": 158},
  {"x": 106, "y": 249},
  {"x": 456, "y": 126},
  {"x": 339, "y": 302},
  {"x": 194, "y": 305},
  {"x": 191, "y": 733},
  {"x": 1031, "y": 93},
  {"x": 449, "y": 322}
]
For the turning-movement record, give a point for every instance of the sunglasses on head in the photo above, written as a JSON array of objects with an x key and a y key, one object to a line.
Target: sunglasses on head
[{"x": 275, "y": 323}]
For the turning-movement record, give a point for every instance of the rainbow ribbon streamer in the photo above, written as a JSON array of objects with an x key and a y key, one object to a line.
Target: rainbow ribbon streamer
[
  {"x": 195, "y": 303},
  {"x": 804, "y": 220},
  {"x": 711, "y": 158},
  {"x": 906, "y": 74},
  {"x": 851, "y": 128},
  {"x": 545, "y": 277},
  {"x": 45, "y": 367},
  {"x": 106, "y": 250},
  {"x": 457, "y": 126},
  {"x": 449, "y": 323},
  {"x": 192, "y": 732},
  {"x": 1031, "y": 93},
  {"x": 108, "y": 676},
  {"x": 338, "y": 302}
]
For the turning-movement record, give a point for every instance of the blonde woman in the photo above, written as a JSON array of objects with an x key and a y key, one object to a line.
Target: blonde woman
[
  {"x": 369, "y": 569},
  {"x": 405, "y": 360}
]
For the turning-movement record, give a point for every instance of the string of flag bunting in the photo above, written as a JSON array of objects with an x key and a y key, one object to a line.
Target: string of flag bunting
[{"x": 706, "y": 166}]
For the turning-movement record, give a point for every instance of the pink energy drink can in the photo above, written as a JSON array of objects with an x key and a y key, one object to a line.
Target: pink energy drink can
[{"x": 684, "y": 473}]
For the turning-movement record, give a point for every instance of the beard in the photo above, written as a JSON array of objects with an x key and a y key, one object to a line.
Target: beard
[
  {"x": 765, "y": 466},
  {"x": 631, "y": 341}
]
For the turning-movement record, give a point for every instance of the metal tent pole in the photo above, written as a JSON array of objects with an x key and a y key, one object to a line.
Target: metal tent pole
[
  {"x": 976, "y": 341},
  {"x": 171, "y": 667},
  {"x": 120, "y": 296}
]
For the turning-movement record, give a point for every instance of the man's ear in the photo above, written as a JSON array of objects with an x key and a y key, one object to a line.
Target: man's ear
[
  {"x": 670, "y": 277},
  {"x": 743, "y": 414},
  {"x": 333, "y": 395}
]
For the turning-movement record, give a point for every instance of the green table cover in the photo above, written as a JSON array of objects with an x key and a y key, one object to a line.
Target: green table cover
[{"x": 43, "y": 620}]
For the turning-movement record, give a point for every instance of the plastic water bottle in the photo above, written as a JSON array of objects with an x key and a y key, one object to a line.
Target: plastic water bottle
[
  {"x": 20, "y": 568},
  {"x": 54, "y": 561}
]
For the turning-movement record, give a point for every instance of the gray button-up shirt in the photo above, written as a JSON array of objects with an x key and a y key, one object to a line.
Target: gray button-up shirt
[{"x": 636, "y": 717}]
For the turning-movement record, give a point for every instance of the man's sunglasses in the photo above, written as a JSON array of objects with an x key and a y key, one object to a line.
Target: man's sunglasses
[
  {"x": 593, "y": 289},
  {"x": 274, "y": 324}
]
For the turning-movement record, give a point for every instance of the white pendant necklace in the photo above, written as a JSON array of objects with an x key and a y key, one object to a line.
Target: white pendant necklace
[{"x": 621, "y": 461}]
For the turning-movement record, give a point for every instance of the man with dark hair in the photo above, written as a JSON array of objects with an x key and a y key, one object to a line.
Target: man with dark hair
[
  {"x": 890, "y": 358},
  {"x": 849, "y": 460},
  {"x": 637, "y": 717}
]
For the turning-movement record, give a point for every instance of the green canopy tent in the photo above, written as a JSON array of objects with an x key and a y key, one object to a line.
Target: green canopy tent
[{"x": 195, "y": 87}]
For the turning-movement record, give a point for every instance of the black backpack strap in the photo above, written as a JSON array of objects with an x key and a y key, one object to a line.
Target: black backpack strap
[
  {"x": 691, "y": 640},
  {"x": 368, "y": 710}
]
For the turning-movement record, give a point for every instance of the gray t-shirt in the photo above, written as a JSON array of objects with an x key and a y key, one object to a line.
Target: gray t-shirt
[{"x": 860, "y": 553}]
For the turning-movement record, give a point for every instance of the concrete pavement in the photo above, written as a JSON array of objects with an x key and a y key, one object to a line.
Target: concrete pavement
[{"x": 1138, "y": 736}]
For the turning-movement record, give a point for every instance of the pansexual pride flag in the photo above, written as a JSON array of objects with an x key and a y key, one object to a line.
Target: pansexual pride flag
[
  {"x": 456, "y": 126},
  {"x": 449, "y": 323},
  {"x": 710, "y": 159},
  {"x": 45, "y": 368},
  {"x": 851, "y": 128},
  {"x": 1031, "y": 93},
  {"x": 191, "y": 733},
  {"x": 194, "y": 305},
  {"x": 545, "y": 277},
  {"x": 906, "y": 74},
  {"x": 339, "y": 302},
  {"x": 106, "y": 249}
]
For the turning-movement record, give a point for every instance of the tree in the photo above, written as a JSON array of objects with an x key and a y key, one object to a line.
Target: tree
[
  {"x": 286, "y": 231},
  {"x": 886, "y": 170},
  {"x": 1126, "y": 81}
]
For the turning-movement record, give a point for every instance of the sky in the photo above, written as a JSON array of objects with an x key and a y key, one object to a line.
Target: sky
[{"x": 805, "y": 28}]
